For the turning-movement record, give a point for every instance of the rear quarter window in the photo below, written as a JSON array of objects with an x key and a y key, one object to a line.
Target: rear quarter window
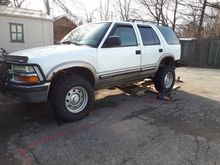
[{"x": 169, "y": 35}]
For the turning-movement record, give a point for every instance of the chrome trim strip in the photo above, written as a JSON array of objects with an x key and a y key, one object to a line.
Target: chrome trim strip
[
  {"x": 148, "y": 67},
  {"x": 38, "y": 73},
  {"x": 118, "y": 73}
]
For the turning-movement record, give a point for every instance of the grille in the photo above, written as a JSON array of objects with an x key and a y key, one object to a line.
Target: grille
[{"x": 4, "y": 75}]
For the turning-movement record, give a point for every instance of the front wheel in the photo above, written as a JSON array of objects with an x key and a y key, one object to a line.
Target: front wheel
[
  {"x": 72, "y": 97},
  {"x": 164, "y": 79}
]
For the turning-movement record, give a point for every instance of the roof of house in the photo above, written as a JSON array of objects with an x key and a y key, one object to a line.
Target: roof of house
[
  {"x": 60, "y": 16},
  {"x": 63, "y": 17},
  {"x": 24, "y": 13}
]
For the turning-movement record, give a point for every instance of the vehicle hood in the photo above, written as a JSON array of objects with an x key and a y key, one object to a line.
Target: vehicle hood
[
  {"x": 50, "y": 57},
  {"x": 53, "y": 51}
]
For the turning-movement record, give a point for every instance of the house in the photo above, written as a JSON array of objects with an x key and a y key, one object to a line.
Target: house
[
  {"x": 62, "y": 26},
  {"x": 23, "y": 28}
]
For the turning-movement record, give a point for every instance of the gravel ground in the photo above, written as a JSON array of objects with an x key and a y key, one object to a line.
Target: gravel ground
[{"x": 127, "y": 126}]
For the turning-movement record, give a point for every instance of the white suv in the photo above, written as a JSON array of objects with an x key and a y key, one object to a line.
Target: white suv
[{"x": 93, "y": 56}]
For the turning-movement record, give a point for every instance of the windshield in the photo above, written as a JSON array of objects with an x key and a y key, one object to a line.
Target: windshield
[{"x": 89, "y": 34}]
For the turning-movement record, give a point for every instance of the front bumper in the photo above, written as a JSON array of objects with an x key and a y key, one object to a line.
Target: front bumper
[
  {"x": 32, "y": 93},
  {"x": 29, "y": 94}
]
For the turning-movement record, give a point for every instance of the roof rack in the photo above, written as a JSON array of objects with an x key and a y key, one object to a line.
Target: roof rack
[{"x": 146, "y": 21}]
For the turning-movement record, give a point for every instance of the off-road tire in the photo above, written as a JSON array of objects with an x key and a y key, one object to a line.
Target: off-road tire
[
  {"x": 159, "y": 79},
  {"x": 59, "y": 92}
]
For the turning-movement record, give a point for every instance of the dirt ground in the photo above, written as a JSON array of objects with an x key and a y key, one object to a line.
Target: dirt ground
[{"x": 127, "y": 126}]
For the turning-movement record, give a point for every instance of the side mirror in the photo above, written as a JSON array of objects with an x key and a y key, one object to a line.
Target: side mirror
[{"x": 112, "y": 41}]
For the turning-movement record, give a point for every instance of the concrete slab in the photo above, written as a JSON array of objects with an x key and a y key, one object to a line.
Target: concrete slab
[{"x": 122, "y": 128}]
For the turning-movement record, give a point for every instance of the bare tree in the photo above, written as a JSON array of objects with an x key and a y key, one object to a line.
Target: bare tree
[
  {"x": 89, "y": 15},
  {"x": 170, "y": 13},
  {"x": 211, "y": 27},
  {"x": 204, "y": 5},
  {"x": 189, "y": 25},
  {"x": 203, "y": 17},
  {"x": 156, "y": 9},
  {"x": 175, "y": 13},
  {"x": 123, "y": 7},
  {"x": 17, "y": 3},
  {"x": 104, "y": 10},
  {"x": 47, "y": 6},
  {"x": 66, "y": 10}
]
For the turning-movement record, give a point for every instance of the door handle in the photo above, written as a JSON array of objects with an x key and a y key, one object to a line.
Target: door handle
[
  {"x": 138, "y": 52},
  {"x": 160, "y": 50}
]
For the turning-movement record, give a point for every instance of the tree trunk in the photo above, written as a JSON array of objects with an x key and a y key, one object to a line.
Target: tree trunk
[
  {"x": 174, "y": 15},
  {"x": 201, "y": 19},
  {"x": 47, "y": 5}
]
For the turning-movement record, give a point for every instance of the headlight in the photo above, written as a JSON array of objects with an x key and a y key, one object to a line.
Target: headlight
[
  {"x": 22, "y": 69},
  {"x": 23, "y": 74}
]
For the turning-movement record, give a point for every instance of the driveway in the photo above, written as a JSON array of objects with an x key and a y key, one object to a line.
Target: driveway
[{"x": 127, "y": 126}]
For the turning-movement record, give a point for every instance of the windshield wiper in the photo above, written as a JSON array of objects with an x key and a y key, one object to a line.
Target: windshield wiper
[{"x": 70, "y": 42}]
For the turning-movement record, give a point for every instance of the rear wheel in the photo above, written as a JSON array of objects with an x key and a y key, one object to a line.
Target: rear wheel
[
  {"x": 72, "y": 97},
  {"x": 164, "y": 79}
]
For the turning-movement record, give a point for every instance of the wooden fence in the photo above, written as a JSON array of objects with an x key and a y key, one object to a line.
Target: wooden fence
[{"x": 202, "y": 53}]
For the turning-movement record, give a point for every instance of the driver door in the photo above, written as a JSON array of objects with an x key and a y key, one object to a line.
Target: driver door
[{"x": 121, "y": 59}]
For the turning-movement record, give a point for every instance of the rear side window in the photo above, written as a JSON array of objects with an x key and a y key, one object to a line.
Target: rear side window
[
  {"x": 169, "y": 35},
  {"x": 127, "y": 35},
  {"x": 148, "y": 35}
]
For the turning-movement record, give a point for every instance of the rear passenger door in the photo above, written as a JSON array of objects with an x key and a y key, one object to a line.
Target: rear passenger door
[{"x": 152, "y": 47}]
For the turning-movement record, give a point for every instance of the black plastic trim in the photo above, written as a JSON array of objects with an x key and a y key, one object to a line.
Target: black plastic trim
[
  {"x": 30, "y": 94},
  {"x": 12, "y": 58},
  {"x": 22, "y": 88},
  {"x": 113, "y": 30}
]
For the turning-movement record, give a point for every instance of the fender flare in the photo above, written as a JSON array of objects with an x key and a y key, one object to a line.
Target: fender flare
[
  {"x": 72, "y": 64},
  {"x": 166, "y": 55}
]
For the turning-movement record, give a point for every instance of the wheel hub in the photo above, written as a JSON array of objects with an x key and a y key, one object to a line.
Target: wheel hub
[
  {"x": 168, "y": 80},
  {"x": 76, "y": 99}
]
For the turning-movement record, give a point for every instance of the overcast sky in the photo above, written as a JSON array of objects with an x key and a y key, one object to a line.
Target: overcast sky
[
  {"x": 74, "y": 5},
  {"x": 89, "y": 4}
]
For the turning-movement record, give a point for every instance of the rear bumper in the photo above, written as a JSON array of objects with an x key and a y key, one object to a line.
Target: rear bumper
[{"x": 30, "y": 94}]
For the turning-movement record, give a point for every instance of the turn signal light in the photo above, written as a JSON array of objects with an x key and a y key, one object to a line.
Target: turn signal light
[{"x": 29, "y": 79}]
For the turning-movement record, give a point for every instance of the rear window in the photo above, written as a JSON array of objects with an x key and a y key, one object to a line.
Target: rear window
[{"x": 169, "y": 35}]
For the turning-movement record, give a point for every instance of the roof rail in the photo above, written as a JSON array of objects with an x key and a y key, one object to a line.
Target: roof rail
[{"x": 146, "y": 21}]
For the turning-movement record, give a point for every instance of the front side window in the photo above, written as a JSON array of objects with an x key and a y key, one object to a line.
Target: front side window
[
  {"x": 127, "y": 35},
  {"x": 17, "y": 32},
  {"x": 148, "y": 35}
]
